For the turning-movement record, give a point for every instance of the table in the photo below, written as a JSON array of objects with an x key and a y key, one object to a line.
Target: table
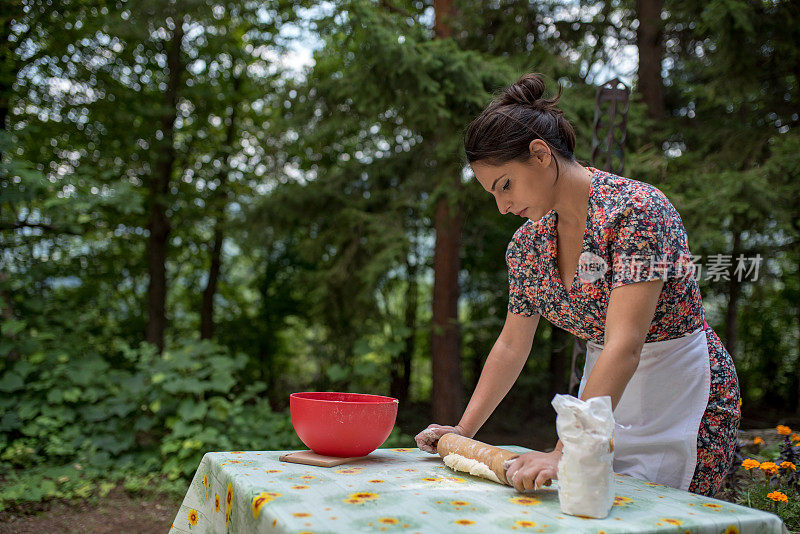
[{"x": 407, "y": 490}]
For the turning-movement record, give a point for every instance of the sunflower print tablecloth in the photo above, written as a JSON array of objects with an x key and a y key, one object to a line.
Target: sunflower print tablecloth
[{"x": 407, "y": 490}]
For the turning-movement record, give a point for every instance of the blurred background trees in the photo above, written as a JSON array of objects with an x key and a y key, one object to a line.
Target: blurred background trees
[{"x": 193, "y": 225}]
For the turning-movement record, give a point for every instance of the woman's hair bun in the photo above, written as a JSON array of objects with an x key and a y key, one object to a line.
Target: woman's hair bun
[
  {"x": 528, "y": 91},
  {"x": 517, "y": 115}
]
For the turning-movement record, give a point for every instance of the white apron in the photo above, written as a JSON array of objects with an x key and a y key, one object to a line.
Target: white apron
[{"x": 660, "y": 409}]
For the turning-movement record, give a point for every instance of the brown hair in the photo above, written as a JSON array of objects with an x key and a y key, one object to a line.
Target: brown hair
[{"x": 504, "y": 130}]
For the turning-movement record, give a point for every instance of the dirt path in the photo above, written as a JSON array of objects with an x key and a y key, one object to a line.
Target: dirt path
[{"x": 117, "y": 512}]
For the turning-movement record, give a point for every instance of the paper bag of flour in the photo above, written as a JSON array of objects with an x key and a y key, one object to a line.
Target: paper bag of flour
[{"x": 585, "y": 475}]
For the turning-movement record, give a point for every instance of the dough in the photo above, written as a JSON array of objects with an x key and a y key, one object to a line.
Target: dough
[{"x": 468, "y": 465}]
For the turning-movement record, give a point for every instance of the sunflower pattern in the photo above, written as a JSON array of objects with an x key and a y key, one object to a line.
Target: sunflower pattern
[
  {"x": 404, "y": 491},
  {"x": 621, "y": 501},
  {"x": 637, "y": 233}
]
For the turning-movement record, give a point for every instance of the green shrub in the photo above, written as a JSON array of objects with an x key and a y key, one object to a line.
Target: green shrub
[{"x": 70, "y": 419}]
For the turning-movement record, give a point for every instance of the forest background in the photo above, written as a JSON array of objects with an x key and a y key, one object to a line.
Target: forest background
[{"x": 194, "y": 224}]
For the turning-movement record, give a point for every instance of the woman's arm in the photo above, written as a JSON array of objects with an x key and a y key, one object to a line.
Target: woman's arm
[
  {"x": 630, "y": 311},
  {"x": 502, "y": 367}
]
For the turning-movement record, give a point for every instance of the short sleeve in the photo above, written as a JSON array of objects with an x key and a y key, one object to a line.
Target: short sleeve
[
  {"x": 650, "y": 241},
  {"x": 520, "y": 290}
]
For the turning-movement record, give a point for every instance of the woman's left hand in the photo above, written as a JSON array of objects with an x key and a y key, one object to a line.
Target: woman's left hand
[{"x": 533, "y": 469}]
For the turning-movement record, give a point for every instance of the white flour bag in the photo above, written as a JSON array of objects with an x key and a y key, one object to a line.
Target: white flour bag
[{"x": 585, "y": 475}]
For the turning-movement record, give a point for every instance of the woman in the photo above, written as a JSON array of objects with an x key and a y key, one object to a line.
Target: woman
[{"x": 606, "y": 258}]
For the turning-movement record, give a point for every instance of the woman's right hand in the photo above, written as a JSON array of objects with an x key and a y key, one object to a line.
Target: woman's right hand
[{"x": 428, "y": 438}]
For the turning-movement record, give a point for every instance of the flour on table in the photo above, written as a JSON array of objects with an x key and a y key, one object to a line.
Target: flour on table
[{"x": 468, "y": 465}]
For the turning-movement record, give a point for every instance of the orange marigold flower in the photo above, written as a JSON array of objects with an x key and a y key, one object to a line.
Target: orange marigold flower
[
  {"x": 794, "y": 437},
  {"x": 783, "y": 430},
  {"x": 758, "y": 441},
  {"x": 778, "y": 496},
  {"x": 789, "y": 465},
  {"x": 750, "y": 464},
  {"x": 769, "y": 467}
]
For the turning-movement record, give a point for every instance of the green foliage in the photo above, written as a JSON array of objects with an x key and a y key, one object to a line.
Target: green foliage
[{"x": 147, "y": 413}]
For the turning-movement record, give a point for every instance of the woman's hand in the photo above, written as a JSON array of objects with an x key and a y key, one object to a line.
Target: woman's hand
[
  {"x": 428, "y": 438},
  {"x": 533, "y": 469}
]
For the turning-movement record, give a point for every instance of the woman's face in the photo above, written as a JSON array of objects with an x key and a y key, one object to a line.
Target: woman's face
[{"x": 524, "y": 189}]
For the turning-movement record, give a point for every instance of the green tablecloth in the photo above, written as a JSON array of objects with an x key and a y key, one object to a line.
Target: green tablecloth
[{"x": 406, "y": 490}]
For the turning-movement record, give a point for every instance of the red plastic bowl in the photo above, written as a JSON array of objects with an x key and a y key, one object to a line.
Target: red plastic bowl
[{"x": 342, "y": 424}]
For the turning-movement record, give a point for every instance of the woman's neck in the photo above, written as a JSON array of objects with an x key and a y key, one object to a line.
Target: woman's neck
[{"x": 572, "y": 195}]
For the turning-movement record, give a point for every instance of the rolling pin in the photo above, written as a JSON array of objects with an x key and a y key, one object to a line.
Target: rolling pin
[{"x": 492, "y": 457}]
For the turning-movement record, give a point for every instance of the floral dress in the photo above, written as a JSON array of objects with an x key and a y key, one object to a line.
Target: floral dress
[{"x": 633, "y": 234}]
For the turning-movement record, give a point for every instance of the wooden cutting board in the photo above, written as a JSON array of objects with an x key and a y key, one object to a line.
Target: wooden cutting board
[{"x": 312, "y": 458}]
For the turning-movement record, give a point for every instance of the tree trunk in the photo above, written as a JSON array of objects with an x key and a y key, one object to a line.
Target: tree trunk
[
  {"x": 9, "y": 62},
  {"x": 477, "y": 362},
  {"x": 797, "y": 368},
  {"x": 445, "y": 340},
  {"x": 267, "y": 341},
  {"x": 448, "y": 220},
  {"x": 796, "y": 225},
  {"x": 158, "y": 225},
  {"x": 797, "y": 408},
  {"x": 734, "y": 291},
  {"x": 207, "y": 306},
  {"x": 578, "y": 350},
  {"x": 649, "y": 39},
  {"x": 444, "y": 12},
  {"x": 559, "y": 347},
  {"x": 401, "y": 368},
  {"x": 7, "y": 314}
]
